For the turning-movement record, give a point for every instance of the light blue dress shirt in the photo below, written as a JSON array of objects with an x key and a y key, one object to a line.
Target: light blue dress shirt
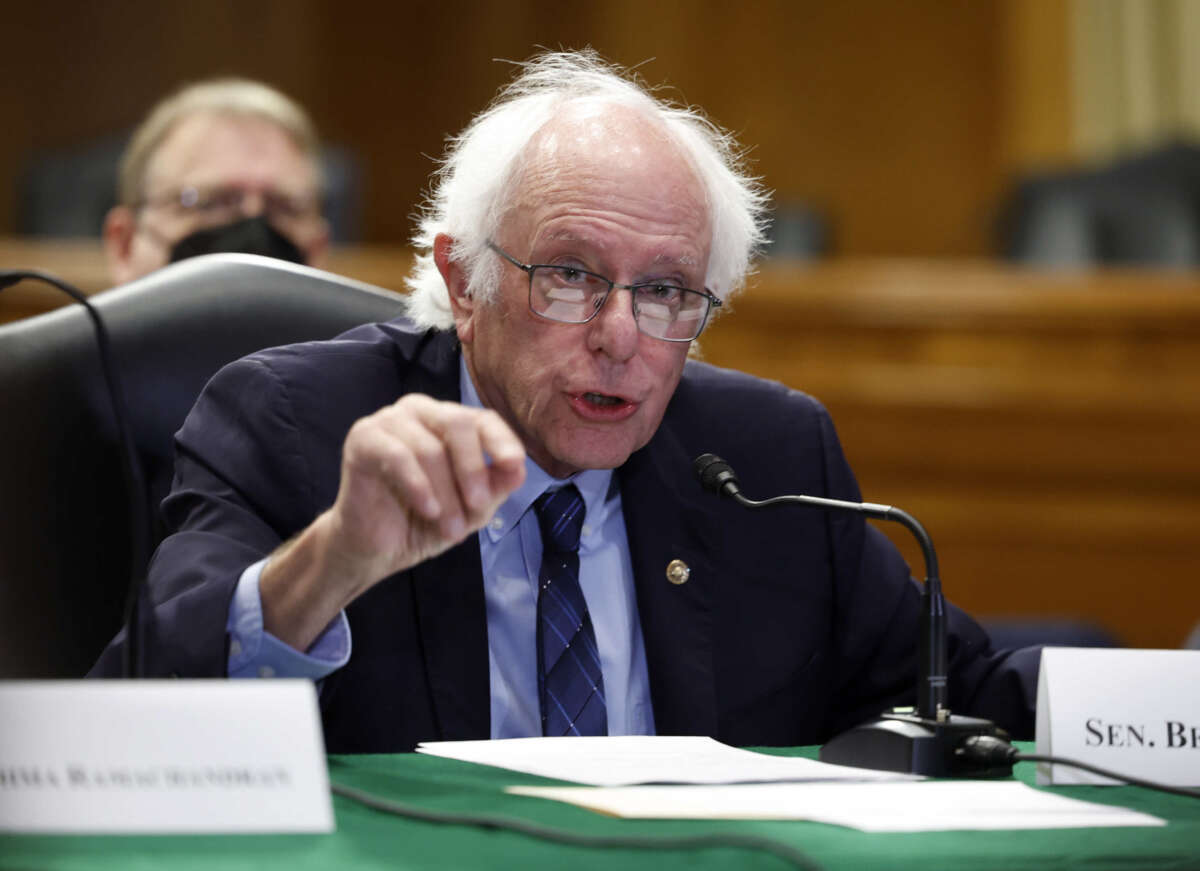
[{"x": 511, "y": 551}]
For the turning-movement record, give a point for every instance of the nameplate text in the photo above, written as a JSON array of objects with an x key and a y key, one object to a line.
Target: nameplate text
[
  {"x": 162, "y": 757},
  {"x": 1134, "y": 712}
]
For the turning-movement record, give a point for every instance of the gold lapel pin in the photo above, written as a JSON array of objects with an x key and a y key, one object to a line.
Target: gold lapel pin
[{"x": 678, "y": 571}]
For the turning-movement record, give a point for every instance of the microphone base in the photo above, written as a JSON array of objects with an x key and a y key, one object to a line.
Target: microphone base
[{"x": 902, "y": 741}]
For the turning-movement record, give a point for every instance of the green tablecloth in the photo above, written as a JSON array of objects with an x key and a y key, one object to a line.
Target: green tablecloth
[{"x": 368, "y": 839}]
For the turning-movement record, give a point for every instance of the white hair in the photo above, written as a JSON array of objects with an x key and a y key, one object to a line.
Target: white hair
[{"x": 473, "y": 185}]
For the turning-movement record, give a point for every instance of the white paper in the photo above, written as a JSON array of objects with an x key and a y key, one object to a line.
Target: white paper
[
  {"x": 162, "y": 757},
  {"x": 631, "y": 759},
  {"x": 1135, "y": 712},
  {"x": 870, "y": 807}
]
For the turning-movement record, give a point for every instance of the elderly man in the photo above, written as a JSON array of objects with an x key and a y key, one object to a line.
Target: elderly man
[
  {"x": 225, "y": 165},
  {"x": 482, "y": 520}
]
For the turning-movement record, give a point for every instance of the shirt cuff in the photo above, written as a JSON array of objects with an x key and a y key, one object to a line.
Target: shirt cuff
[{"x": 254, "y": 652}]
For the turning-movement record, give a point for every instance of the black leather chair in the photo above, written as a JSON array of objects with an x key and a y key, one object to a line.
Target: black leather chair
[
  {"x": 1084, "y": 222},
  {"x": 1143, "y": 210},
  {"x": 65, "y": 557}
]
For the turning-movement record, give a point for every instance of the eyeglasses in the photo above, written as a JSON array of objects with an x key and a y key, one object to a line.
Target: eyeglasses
[
  {"x": 570, "y": 295},
  {"x": 219, "y": 205}
]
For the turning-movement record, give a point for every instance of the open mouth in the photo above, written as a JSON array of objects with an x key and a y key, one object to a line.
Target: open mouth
[
  {"x": 603, "y": 399},
  {"x": 602, "y": 407}
]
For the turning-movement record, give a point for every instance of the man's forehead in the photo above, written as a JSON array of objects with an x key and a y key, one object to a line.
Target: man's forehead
[
  {"x": 615, "y": 133},
  {"x": 216, "y": 145},
  {"x": 606, "y": 147}
]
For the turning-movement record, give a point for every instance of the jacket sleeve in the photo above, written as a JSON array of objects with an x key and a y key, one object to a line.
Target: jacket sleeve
[{"x": 242, "y": 484}]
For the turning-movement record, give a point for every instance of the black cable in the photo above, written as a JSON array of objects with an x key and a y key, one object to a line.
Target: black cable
[
  {"x": 130, "y": 464},
  {"x": 508, "y": 824},
  {"x": 990, "y": 749},
  {"x": 1096, "y": 769}
]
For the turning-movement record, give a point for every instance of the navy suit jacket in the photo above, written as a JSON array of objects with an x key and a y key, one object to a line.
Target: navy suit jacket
[{"x": 792, "y": 626}]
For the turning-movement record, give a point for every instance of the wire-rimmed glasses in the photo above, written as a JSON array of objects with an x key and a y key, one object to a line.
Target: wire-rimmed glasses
[{"x": 570, "y": 295}]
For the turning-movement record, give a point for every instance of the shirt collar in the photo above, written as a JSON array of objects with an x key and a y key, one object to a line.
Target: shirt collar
[{"x": 593, "y": 484}]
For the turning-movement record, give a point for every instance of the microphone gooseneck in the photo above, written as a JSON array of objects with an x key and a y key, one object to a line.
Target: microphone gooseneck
[
  {"x": 924, "y": 741},
  {"x": 718, "y": 476}
]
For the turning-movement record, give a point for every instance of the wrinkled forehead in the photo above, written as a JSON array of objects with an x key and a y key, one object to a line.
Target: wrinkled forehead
[{"x": 607, "y": 146}]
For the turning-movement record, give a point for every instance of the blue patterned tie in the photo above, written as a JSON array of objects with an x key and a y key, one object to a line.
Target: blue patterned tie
[{"x": 570, "y": 684}]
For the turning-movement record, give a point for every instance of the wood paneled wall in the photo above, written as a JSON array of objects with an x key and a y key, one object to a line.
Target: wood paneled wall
[
  {"x": 1042, "y": 426},
  {"x": 900, "y": 120}
]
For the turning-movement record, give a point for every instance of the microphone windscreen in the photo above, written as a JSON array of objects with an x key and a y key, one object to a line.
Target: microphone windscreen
[{"x": 713, "y": 472}]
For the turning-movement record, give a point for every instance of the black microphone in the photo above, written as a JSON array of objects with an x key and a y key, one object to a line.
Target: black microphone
[
  {"x": 930, "y": 739},
  {"x": 130, "y": 464}
]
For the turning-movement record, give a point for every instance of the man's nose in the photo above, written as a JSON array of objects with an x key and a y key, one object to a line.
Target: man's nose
[
  {"x": 614, "y": 330},
  {"x": 253, "y": 204}
]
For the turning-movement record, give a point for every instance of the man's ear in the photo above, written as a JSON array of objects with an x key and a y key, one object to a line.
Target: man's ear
[
  {"x": 119, "y": 226},
  {"x": 462, "y": 305}
]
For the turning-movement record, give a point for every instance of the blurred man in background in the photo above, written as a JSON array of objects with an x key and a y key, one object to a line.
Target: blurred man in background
[{"x": 223, "y": 165}]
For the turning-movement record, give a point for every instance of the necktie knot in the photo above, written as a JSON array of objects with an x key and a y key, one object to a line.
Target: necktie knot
[{"x": 560, "y": 516}]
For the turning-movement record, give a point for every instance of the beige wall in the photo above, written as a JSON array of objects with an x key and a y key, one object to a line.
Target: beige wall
[{"x": 1136, "y": 74}]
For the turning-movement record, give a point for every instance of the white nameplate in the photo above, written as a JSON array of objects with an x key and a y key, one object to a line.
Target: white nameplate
[
  {"x": 1134, "y": 712},
  {"x": 162, "y": 757}
]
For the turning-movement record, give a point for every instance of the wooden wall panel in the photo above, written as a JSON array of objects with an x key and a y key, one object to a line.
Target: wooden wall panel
[
  {"x": 883, "y": 114},
  {"x": 1042, "y": 426},
  {"x": 1036, "y": 114}
]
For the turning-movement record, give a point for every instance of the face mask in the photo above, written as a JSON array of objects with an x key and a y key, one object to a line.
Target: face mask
[{"x": 247, "y": 236}]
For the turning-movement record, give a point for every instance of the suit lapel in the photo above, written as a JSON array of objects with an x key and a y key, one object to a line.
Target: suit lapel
[
  {"x": 448, "y": 590},
  {"x": 664, "y": 525}
]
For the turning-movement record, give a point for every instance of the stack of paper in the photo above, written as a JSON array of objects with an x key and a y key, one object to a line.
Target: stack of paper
[
  {"x": 727, "y": 783},
  {"x": 630, "y": 759}
]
